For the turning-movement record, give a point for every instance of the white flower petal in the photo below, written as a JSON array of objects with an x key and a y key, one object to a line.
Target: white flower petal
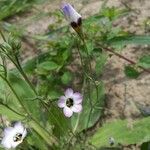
[
  {"x": 8, "y": 130},
  {"x": 24, "y": 133},
  {"x": 77, "y": 97},
  {"x": 19, "y": 127},
  {"x": 67, "y": 112},
  {"x": 15, "y": 144},
  {"x": 6, "y": 143},
  {"x": 62, "y": 101},
  {"x": 69, "y": 93},
  {"x": 10, "y": 133},
  {"x": 77, "y": 108}
]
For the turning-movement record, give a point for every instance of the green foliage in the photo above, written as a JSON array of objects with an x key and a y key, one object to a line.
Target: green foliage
[
  {"x": 145, "y": 146},
  {"x": 138, "y": 132},
  {"x": 131, "y": 72},
  {"x": 144, "y": 61},
  {"x": 92, "y": 108},
  {"x": 130, "y": 39},
  {"x": 25, "y": 94},
  {"x": 10, "y": 7},
  {"x": 10, "y": 113},
  {"x": 46, "y": 67},
  {"x": 66, "y": 78}
]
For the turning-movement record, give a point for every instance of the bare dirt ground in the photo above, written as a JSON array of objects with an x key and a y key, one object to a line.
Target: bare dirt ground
[{"x": 122, "y": 94}]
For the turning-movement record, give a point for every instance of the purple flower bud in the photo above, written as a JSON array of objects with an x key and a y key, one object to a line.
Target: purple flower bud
[{"x": 72, "y": 16}]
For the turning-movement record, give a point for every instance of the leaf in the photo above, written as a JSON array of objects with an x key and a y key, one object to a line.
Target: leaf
[
  {"x": 59, "y": 121},
  {"x": 25, "y": 94},
  {"x": 38, "y": 141},
  {"x": 66, "y": 78},
  {"x": 50, "y": 139},
  {"x": 46, "y": 66},
  {"x": 134, "y": 39},
  {"x": 144, "y": 61},
  {"x": 131, "y": 72},
  {"x": 10, "y": 113},
  {"x": 145, "y": 146},
  {"x": 100, "y": 62},
  {"x": 119, "y": 130},
  {"x": 90, "y": 114}
]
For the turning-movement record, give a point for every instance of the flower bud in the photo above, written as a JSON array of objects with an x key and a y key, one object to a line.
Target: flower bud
[{"x": 72, "y": 16}]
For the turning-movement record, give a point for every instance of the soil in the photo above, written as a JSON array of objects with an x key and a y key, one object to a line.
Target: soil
[{"x": 124, "y": 97}]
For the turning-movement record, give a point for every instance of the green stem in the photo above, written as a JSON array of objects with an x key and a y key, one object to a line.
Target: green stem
[
  {"x": 3, "y": 37},
  {"x": 30, "y": 116},
  {"x": 19, "y": 67}
]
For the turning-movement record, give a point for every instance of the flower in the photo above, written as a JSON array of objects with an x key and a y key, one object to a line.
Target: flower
[
  {"x": 13, "y": 136},
  {"x": 71, "y": 102},
  {"x": 72, "y": 16}
]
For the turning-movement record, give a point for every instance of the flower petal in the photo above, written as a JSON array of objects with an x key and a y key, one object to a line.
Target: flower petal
[
  {"x": 67, "y": 112},
  {"x": 68, "y": 93},
  {"x": 24, "y": 133},
  {"x": 8, "y": 130},
  {"x": 61, "y": 102},
  {"x": 77, "y": 108},
  {"x": 14, "y": 144},
  {"x": 19, "y": 127},
  {"x": 6, "y": 143},
  {"x": 70, "y": 13},
  {"x": 77, "y": 98}
]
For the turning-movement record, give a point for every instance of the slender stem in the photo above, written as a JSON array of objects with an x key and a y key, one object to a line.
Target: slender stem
[
  {"x": 125, "y": 58},
  {"x": 14, "y": 92},
  {"x": 81, "y": 35},
  {"x": 77, "y": 122},
  {"x": 12, "y": 110},
  {"x": 3, "y": 37},
  {"x": 19, "y": 67}
]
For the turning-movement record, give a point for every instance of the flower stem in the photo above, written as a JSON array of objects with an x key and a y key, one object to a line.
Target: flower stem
[
  {"x": 29, "y": 115},
  {"x": 19, "y": 67},
  {"x": 125, "y": 58}
]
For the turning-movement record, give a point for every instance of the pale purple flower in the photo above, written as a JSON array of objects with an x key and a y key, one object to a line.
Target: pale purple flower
[
  {"x": 70, "y": 102},
  {"x": 72, "y": 16},
  {"x": 13, "y": 136}
]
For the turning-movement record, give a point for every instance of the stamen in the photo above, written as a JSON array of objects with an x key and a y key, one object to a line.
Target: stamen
[
  {"x": 74, "y": 25},
  {"x": 69, "y": 102},
  {"x": 17, "y": 137}
]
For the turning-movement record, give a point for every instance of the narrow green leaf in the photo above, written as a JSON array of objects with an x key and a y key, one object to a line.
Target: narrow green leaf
[
  {"x": 59, "y": 121},
  {"x": 25, "y": 94},
  {"x": 134, "y": 39},
  {"x": 50, "y": 139},
  {"x": 10, "y": 113},
  {"x": 100, "y": 62}
]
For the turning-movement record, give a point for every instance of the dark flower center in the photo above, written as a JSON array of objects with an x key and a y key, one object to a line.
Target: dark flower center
[
  {"x": 69, "y": 102},
  {"x": 77, "y": 24},
  {"x": 17, "y": 137}
]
